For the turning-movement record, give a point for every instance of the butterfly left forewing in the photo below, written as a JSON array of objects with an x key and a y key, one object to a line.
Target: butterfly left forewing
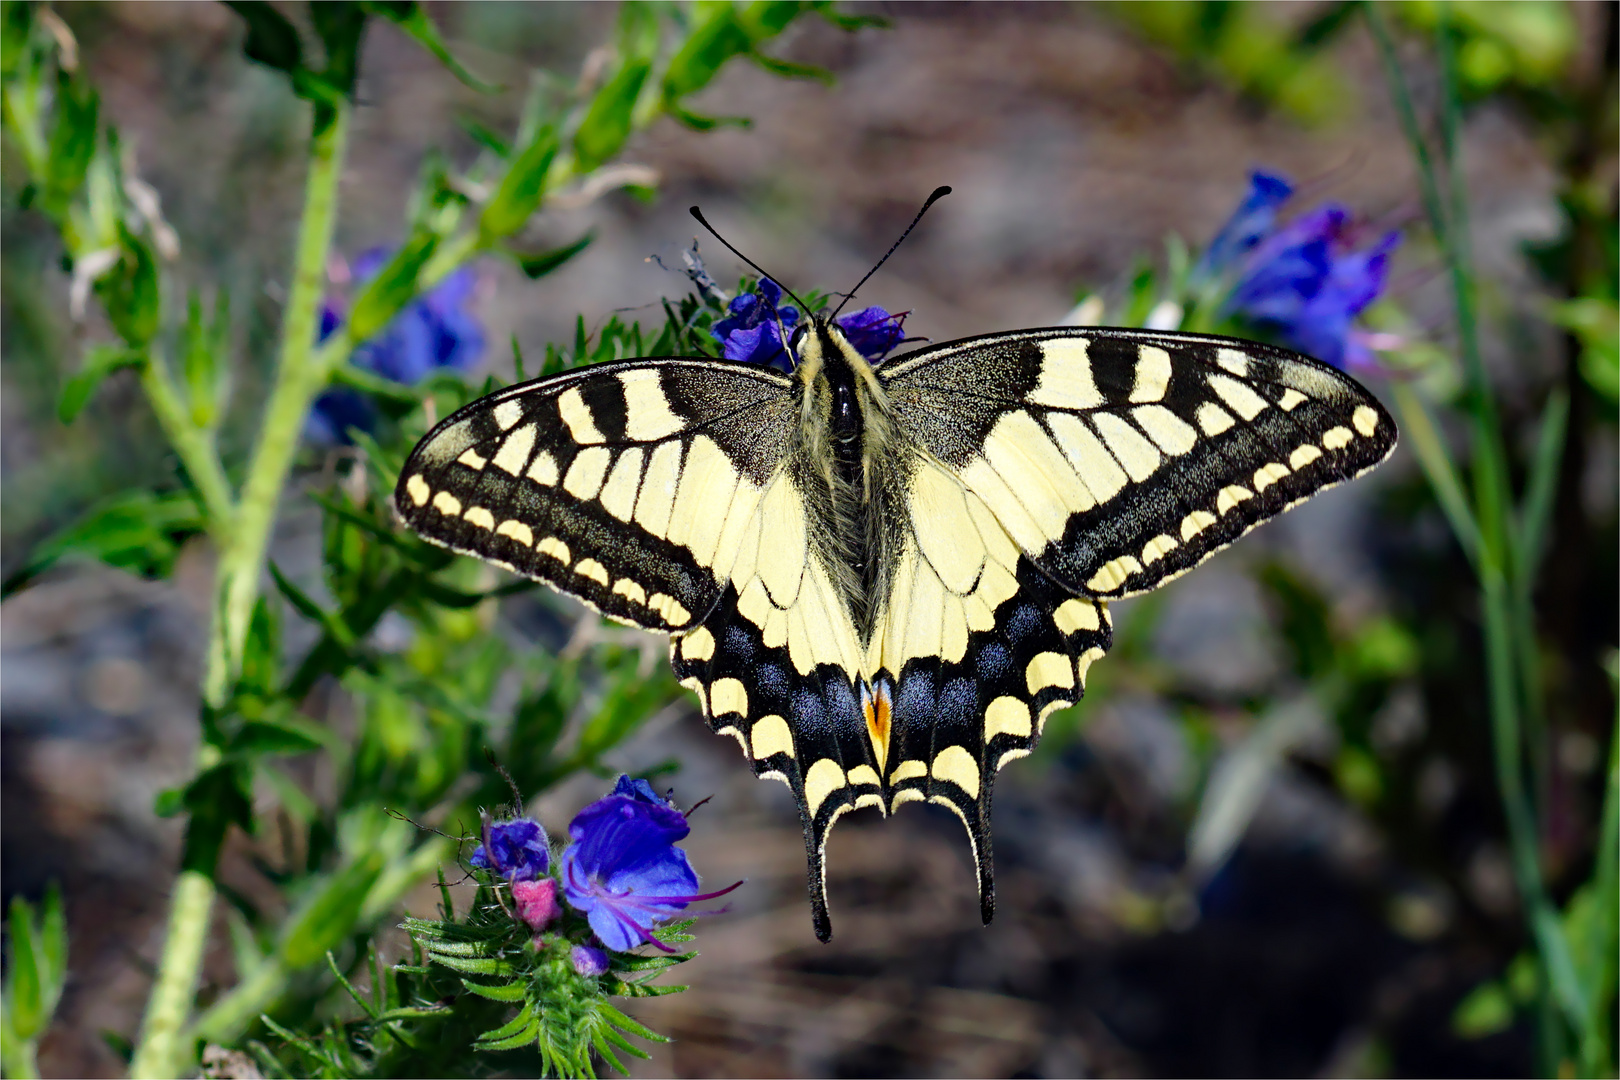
[
  {"x": 604, "y": 482},
  {"x": 1118, "y": 459}
]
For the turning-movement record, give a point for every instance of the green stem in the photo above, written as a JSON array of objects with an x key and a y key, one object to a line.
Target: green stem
[
  {"x": 163, "y": 1052},
  {"x": 301, "y": 374},
  {"x": 194, "y": 445}
]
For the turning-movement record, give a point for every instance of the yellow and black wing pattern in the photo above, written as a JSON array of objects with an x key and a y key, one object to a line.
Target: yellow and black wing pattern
[{"x": 901, "y": 634}]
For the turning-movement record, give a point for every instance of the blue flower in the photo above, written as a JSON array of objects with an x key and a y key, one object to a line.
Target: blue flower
[
  {"x": 753, "y": 332},
  {"x": 516, "y": 850},
  {"x": 436, "y": 330},
  {"x": 623, "y": 870},
  {"x": 1305, "y": 280},
  {"x": 1254, "y": 218},
  {"x": 873, "y": 331}
]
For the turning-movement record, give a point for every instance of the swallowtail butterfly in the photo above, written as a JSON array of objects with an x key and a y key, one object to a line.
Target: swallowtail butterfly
[{"x": 882, "y": 580}]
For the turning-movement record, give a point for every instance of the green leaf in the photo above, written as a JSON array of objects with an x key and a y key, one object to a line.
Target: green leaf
[
  {"x": 261, "y": 651},
  {"x": 73, "y": 141},
  {"x": 169, "y": 802},
  {"x": 217, "y": 799},
  {"x": 330, "y": 621},
  {"x": 471, "y": 965},
  {"x": 132, "y": 293},
  {"x": 330, "y": 916},
  {"x": 202, "y": 348},
  {"x": 512, "y": 991},
  {"x": 524, "y": 1019},
  {"x": 278, "y": 736},
  {"x": 717, "y": 39},
  {"x": 521, "y": 189},
  {"x": 340, "y": 24},
  {"x": 100, "y": 361},
  {"x": 25, "y": 996},
  {"x": 393, "y": 287},
  {"x": 607, "y": 122},
  {"x": 540, "y": 263},
  {"x": 272, "y": 40},
  {"x": 140, "y": 532},
  {"x": 1486, "y": 1010},
  {"x": 410, "y": 18}
]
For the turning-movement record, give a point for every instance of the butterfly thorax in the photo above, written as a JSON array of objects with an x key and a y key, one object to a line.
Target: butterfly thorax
[{"x": 849, "y": 459}]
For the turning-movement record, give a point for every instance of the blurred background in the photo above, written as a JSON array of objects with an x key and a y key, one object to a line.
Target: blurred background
[{"x": 1347, "y": 887}]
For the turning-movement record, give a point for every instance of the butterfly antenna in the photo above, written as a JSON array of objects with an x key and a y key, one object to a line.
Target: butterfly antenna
[
  {"x": 701, "y": 220},
  {"x": 939, "y": 193}
]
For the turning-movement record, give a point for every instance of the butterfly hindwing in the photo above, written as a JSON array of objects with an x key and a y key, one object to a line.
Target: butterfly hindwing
[
  {"x": 1118, "y": 459},
  {"x": 604, "y": 482}
]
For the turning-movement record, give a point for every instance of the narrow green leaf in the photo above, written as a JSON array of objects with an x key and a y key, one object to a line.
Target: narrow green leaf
[
  {"x": 514, "y": 1042},
  {"x": 417, "y": 1012},
  {"x": 359, "y": 998},
  {"x": 330, "y": 915},
  {"x": 470, "y": 966},
  {"x": 132, "y": 293},
  {"x": 607, "y": 122},
  {"x": 512, "y": 991},
  {"x": 521, "y": 189},
  {"x": 100, "y": 361},
  {"x": 393, "y": 287},
  {"x": 141, "y": 533},
  {"x": 331, "y": 622},
  {"x": 73, "y": 141},
  {"x": 717, "y": 39},
  {"x": 410, "y": 18},
  {"x": 341, "y": 24},
  {"x": 540, "y": 263},
  {"x": 169, "y": 802},
  {"x": 524, "y": 1018},
  {"x": 1485, "y": 1011},
  {"x": 1437, "y": 466},
  {"x": 25, "y": 1005},
  {"x": 1542, "y": 484},
  {"x": 277, "y": 736},
  {"x": 272, "y": 39}
]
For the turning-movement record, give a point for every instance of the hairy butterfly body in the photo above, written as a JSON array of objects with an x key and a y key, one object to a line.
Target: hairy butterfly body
[{"x": 883, "y": 580}]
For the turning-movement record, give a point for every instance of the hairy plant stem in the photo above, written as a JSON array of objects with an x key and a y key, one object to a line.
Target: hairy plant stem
[
  {"x": 299, "y": 377},
  {"x": 193, "y": 444},
  {"x": 1490, "y": 536}
]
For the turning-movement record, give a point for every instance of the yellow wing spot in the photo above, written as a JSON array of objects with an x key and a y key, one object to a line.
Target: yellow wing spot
[
  {"x": 869, "y": 799},
  {"x": 618, "y": 495},
  {"x": 1364, "y": 420},
  {"x": 1048, "y": 669},
  {"x": 555, "y": 548},
  {"x": 823, "y": 778},
  {"x": 508, "y": 413},
  {"x": 1195, "y": 523},
  {"x": 1010, "y": 755},
  {"x": 1107, "y": 616},
  {"x": 447, "y": 504},
  {"x": 1337, "y": 438},
  {"x": 904, "y": 796},
  {"x": 630, "y": 590},
  {"x": 1152, "y": 374},
  {"x": 1212, "y": 419},
  {"x": 728, "y": 696},
  {"x": 1075, "y": 615},
  {"x": 1267, "y": 475},
  {"x": 673, "y": 611},
  {"x": 735, "y": 734},
  {"x": 1139, "y": 456},
  {"x": 1235, "y": 362},
  {"x": 1230, "y": 496},
  {"x": 1113, "y": 573},
  {"x": 955, "y": 765},
  {"x": 519, "y": 532},
  {"x": 1066, "y": 381},
  {"x": 1007, "y": 716},
  {"x": 1169, "y": 431},
  {"x": 657, "y": 496},
  {"x": 907, "y": 770},
  {"x": 1303, "y": 455},
  {"x": 1083, "y": 664},
  {"x": 698, "y": 645},
  {"x": 590, "y": 568},
  {"x": 863, "y": 775},
  {"x": 543, "y": 469},
  {"x": 585, "y": 475},
  {"x": 514, "y": 452},
  {"x": 695, "y": 685},
  {"x": 1095, "y": 466},
  {"x": 418, "y": 489},
  {"x": 1053, "y": 706},
  {"x": 1238, "y": 397},
  {"x": 770, "y": 735},
  {"x": 1157, "y": 548},
  {"x": 472, "y": 459},
  {"x": 1291, "y": 400},
  {"x": 480, "y": 517},
  {"x": 577, "y": 415},
  {"x": 647, "y": 415}
]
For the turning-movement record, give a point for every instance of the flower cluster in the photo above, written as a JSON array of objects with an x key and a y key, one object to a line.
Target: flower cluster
[
  {"x": 437, "y": 330},
  {"x": 1305, "y": 280},
  {"x": 621, "y": 875},
  {"x": 754, "y": 330}
]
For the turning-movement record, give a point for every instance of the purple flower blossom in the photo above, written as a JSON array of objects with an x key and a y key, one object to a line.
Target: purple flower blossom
[
  {"x": 873, "y": 331},
  {"x": 436, "y": 330},
  {"x": 589, "y": 961},
  {"x": 515, "y": 850},
  {"x": 751, "y": 334},
  {"x": 1305, "y": 280},
  {"x": 623, "y": 870}
]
